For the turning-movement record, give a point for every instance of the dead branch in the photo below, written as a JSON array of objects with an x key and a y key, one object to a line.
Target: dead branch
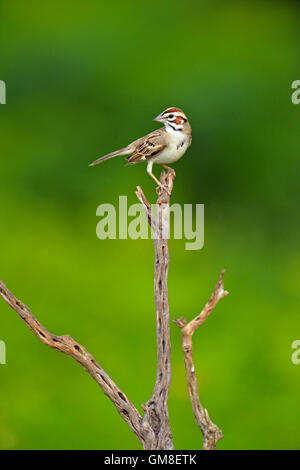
[
  {"x": 69, "y": 346},
  {"x": 156, "y": 408},
  {"x": 210, "y": 431},
  {"x": 153, "y": 428}
]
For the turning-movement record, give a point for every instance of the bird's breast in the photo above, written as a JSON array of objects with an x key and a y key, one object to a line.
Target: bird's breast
[{"x": 173, "y": 152}]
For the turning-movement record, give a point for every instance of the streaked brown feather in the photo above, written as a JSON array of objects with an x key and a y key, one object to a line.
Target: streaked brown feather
[
  {"x": 148, "y": 146},
  {"x": 174, "y": 110}
]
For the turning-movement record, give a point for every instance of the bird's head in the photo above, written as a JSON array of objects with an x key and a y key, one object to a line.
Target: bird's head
[{"x": 173, "y": 118}]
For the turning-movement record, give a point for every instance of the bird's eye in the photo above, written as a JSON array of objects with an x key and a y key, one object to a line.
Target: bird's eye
[{"x": 171, "y": 116}]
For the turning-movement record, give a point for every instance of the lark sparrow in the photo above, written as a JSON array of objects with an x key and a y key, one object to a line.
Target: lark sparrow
[{"x": 165, "y": 145}]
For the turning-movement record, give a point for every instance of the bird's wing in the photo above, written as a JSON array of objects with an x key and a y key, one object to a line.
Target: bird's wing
[{"x": 148, "y": 146}]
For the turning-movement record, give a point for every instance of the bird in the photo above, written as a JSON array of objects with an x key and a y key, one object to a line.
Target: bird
[{"x": 164, "y": 145}]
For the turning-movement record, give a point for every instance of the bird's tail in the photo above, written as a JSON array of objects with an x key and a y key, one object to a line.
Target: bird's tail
[{"x": 123, "y": 151}]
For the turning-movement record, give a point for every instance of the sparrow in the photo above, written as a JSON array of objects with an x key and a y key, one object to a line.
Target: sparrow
[{"x": 165, "y": 145}]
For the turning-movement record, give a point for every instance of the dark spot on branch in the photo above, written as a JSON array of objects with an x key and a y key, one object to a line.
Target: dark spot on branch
[
  {"x": 159, "y": 325},
  {"x": 122, "y": 396},
  {"x": 95, "y": 363},
  {"x": 78, "y": 348},
  {"x": 42, "y": 334},
  {"x": 104, "y": 380}
]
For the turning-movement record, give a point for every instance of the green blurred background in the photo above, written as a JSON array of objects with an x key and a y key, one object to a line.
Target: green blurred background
[{"x": 84, "y": 79}]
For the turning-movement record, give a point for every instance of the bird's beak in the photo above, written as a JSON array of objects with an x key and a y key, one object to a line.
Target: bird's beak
[{"x": 158, "y": 118}]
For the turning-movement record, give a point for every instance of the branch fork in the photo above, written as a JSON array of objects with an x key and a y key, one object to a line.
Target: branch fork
[
  {"x": 210, "y": 431},
  {"x": 153, "y": 428}
]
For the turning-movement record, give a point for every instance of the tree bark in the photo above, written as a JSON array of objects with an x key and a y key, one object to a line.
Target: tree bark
[
  {"x": 153, "y": 428},
  {"x": 156, "y": 408},
  {"x": 210, "y": 431}
]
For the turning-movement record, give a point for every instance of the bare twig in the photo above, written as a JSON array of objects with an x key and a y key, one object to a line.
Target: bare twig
[
  {"x": 69, "y": 346},
  {"x": 156, "y": 408},
  {"x": 211, "y": 433}
]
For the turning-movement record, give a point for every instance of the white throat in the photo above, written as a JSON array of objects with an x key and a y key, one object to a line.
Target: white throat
[{"x": 174, "y": 131}]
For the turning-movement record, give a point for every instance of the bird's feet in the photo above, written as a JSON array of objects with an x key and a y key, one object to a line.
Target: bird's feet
[{"x": 170, "y": 170}]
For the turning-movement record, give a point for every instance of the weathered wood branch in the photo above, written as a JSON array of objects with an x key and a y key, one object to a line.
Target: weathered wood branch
[
  {"x": 69, "y": 346},
  {"x": 153, "y": 428},
  {"x": 210, "y": 431},
  {"x": 156, "y": 408}
]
